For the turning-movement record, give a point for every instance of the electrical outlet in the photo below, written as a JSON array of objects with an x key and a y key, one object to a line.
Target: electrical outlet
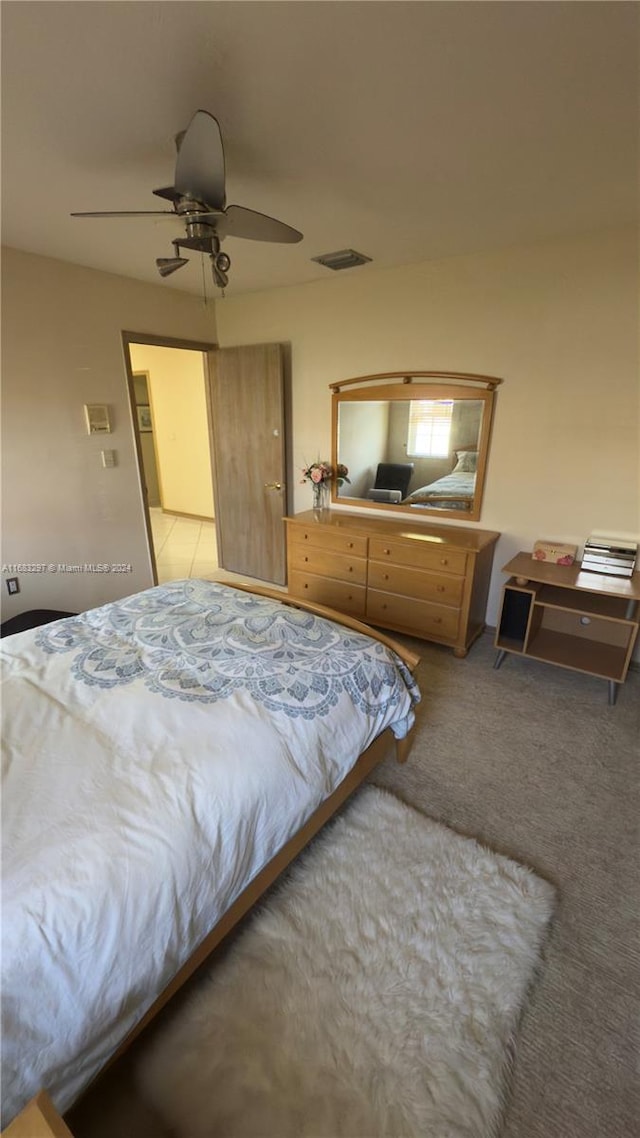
[{"x": 13, "y": 585}]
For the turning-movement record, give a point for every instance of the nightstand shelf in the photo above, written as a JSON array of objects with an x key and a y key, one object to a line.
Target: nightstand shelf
[{"x": 573, "y": 619}]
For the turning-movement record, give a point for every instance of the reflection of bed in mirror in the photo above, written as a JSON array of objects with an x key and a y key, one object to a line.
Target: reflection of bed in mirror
[{"x": 453, "y": 491}]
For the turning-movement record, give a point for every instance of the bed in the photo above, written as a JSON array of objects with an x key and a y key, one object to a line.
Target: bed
[
  {"x": 165, "y": 757},
  {"x": 454, "y": 490}
]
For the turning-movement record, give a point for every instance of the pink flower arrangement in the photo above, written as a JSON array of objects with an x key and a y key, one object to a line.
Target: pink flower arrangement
[{"x": 322, "y": 472}]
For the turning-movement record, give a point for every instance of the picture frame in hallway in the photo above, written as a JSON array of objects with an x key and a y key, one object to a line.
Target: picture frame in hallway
[{"x": 144, "y": 417}]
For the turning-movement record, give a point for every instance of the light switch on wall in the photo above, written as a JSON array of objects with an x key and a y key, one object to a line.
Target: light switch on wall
[{"x": 109, "y": 458}]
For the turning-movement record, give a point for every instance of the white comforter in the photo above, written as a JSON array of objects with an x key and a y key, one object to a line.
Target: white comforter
[
  {"x": 458, "y": 486},
  {"x": 157, "y": 753}
]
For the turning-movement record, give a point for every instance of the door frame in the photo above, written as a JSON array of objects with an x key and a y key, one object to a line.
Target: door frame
[{"x": 159, "y": 342}]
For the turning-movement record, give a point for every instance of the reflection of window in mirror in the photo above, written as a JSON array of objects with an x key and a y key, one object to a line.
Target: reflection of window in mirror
[{"x": 429, "y": 428}]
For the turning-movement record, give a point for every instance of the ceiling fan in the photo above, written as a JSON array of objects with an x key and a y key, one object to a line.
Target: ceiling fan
[{"x": 199, "y": 200}]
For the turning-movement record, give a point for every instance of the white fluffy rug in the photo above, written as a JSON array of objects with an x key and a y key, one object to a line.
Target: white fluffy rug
[{"x": 376, "y": 993}]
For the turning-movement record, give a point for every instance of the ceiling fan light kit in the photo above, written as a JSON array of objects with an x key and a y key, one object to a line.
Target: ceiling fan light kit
[
  {"x": 198, "y": 198},
  {"x": 168, "y": 265}
]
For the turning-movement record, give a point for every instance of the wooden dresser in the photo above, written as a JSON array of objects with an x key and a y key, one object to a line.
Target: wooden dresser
[{"x": 428, "y": 581}]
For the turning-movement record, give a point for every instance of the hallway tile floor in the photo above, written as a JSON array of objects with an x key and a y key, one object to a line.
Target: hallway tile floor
[
  {"x": 187, "y": 547},
  {"x": 184, "y": 547}
]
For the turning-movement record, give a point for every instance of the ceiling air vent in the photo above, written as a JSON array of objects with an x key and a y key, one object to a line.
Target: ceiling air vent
[{"x": 343, "y": 259}]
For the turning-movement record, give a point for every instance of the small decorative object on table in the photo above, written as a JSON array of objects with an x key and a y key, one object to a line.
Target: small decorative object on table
[
  {"x": 320, "y": 475},
  {"x": 554, "y": 552}
]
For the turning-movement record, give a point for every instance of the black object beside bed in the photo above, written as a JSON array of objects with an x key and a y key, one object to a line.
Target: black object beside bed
[{"x": 31, "y": 619}]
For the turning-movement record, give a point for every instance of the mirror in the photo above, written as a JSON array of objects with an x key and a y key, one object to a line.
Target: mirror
[{"x": 416, "y": 442}]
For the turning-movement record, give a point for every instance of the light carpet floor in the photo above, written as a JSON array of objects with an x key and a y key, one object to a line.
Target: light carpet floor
[
  {"x": 532, "y": 761},
  {"x": 375, "y": 995}
]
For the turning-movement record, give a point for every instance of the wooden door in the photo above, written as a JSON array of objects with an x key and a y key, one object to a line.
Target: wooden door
[{"x": 247, "y": 407}]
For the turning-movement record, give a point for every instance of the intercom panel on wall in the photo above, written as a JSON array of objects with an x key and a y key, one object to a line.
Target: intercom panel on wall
[{"x": 97, "y": 417}]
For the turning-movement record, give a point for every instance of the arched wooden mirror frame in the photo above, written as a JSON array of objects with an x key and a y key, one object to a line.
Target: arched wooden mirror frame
[{"x": 406, "y": 387}]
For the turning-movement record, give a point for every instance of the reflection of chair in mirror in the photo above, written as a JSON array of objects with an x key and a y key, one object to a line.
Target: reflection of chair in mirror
[{"x": 392, "y": 482}]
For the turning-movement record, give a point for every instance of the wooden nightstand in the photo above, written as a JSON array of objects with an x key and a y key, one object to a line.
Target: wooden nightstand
[{"x": 565, "y": 616}]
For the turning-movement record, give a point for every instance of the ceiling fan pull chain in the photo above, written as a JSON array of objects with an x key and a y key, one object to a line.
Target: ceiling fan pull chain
[{"x": 204, "y": 281}]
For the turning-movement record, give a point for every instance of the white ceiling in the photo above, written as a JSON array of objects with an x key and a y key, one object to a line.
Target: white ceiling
[{"x": 408, "y": 131}]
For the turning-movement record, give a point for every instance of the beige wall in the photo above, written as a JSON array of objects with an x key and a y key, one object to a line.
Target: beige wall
[
  {"x": 62, "y": 348},
  {"x": 557, "y": 321},
  {"x": 364, "y": 434},
  {"x": 181, "y": 434}
]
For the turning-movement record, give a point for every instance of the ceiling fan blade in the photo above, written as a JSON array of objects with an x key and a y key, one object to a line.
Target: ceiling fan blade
[
  {"x": 241, "y": 222},
  {"x": 200, "y": 162},
  {"x": 168, "y": 192},
  {"x": 130, "y": 213}
]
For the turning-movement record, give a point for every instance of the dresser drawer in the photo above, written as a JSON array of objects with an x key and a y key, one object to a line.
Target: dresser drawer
[
  {"x": 327, "y": 537},
  {"x": 417, "y": 618},
  {"x": 326, "y": 591},
  {"x": 416, "y": 583},
  {"x": 418, "y": 554},
  {"x": 314, "y": 560}
]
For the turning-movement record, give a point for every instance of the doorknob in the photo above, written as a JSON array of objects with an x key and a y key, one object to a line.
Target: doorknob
[{"x": 273, "y": 486}]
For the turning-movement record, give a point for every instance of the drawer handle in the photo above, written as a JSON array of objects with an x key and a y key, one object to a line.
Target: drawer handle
[
  {"x": 350, "y": 545},
  {"x": 351, "y": 568},
  {"x": 444, "y": 561},
  {"x": 440, "y": 588},
  {"x": 387, "y": 551},
  {"x": 305, "y": 558},
  {"x": 384, "y": 606},
  {"x": 437, "y": 620},
  {"x": 306, "y": 586}
]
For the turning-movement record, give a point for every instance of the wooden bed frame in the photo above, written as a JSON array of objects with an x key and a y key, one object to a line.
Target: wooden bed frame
[
  {"x": 461, "y": 503},
  {"x": 39, "y": 1118}
]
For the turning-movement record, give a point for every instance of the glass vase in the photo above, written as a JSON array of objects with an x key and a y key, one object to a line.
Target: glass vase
[{"x": 320, "y": 496}]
